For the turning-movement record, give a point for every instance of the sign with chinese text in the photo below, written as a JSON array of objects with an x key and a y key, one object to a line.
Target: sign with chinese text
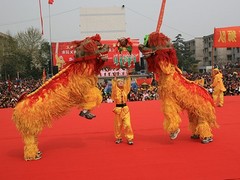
[
  {"x": 227, "y": 37},
  {"x": 63, "y": 52}
]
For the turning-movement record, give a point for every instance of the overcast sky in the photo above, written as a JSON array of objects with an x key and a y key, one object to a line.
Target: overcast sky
[{"x": 191, "y": 18}]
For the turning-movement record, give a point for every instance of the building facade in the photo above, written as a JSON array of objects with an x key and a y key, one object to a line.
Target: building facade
[
  {"x": 196, "y": 48},
  {"x": 203, "y": 51}
]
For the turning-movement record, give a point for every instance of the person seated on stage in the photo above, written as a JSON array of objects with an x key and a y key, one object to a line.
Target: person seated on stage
[{"x": 120, "y": 90}]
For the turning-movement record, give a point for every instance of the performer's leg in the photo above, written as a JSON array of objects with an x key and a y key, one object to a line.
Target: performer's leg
[
  {"x": 193, "y": 122},
  {"x": 171, "y": 118},
  {"x": 215, "y": 96},
  {"x": 221, "y": 99},
  {"x": 118, "y": 125},
  {"x": 31, "y": 151},
  {"x": 91, "y": 99},
  {"x": 204, "y": 130},
  {"x": 128, "y": 132}
]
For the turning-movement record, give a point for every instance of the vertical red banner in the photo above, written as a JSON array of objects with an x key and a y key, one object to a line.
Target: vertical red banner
[
  {"x": 160, "y": 18},
  {"x": 41, "y": 18},
  {"x": 227, "y": 37}
]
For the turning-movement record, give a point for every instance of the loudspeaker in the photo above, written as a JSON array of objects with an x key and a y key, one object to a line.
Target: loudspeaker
[
  {"x": 55, "y": 70},
  {"x": 137, "y": 67},
  {"x": 142, "y": 61}
]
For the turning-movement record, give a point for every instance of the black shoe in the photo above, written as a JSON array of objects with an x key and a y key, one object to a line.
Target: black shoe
[
  {"x": 118, "y": 141},
  {"x": 87, "y": 115},
  {"x": 130, "y": 142},
  {"x": 207, "y": 140},
  {"x": 195, "y": 136}
]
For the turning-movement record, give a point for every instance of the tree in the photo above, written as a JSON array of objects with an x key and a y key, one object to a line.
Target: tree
[
  {"x": 26, "y": 54},
  {"x": 185, "y": 59},
  {"x": 7, "y": 56},
  {"x": 35, "y": 49}
]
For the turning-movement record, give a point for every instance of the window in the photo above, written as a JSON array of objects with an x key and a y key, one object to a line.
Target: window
[{"x": 229, "y": 57}]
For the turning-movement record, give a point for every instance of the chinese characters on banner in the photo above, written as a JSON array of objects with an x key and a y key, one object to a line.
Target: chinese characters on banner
[
  {"x": 227, "y": 37},
  {"x": 63, "y": 52}
]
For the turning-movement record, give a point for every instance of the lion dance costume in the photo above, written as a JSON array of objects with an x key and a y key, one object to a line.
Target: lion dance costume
[
  {"x": 122, "y": 114},
  {"x": 219, "y": 88},
  {"x": 176, "y": 92},
  {"x": 73, "y": 86}
]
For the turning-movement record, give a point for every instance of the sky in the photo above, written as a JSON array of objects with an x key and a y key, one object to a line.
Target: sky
[{"x": 190, "y": 18}]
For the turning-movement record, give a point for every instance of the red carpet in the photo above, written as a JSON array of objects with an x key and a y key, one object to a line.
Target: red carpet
[{"x": 76, "y": 148}]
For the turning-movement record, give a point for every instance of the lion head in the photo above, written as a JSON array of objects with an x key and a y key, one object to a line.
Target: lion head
[
  {"x": 91, "y": 51},
  {"x": 91, "y": 47},
  {"x": 157, "y": 47}
]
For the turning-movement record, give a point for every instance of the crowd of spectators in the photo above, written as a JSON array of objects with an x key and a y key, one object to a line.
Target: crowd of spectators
[
  {"x": 231, "y": 80},
  {"x": 10, "y": 91},
  {"x": 144, "y": 92}
]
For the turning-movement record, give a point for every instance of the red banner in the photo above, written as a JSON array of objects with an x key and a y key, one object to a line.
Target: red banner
[
  {"x": 63, "y": 52},
  {"x": 227, "y": 37}
]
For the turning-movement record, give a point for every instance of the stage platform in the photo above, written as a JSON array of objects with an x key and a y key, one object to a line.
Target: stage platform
[{"x": 79, "y": 149}]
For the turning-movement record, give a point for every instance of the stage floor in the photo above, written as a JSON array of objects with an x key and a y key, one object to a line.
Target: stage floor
[{"x": 76, "y": 148}]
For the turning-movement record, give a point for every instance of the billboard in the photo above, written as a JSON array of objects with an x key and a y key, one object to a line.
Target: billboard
[
  {"x": 107, "y": 21},
  {"x": 63, "y": 52}
]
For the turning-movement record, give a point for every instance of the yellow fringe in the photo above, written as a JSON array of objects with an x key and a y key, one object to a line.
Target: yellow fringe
[
  {"x": 80, "y": 91},
  {"x": 175, "y": 97}
]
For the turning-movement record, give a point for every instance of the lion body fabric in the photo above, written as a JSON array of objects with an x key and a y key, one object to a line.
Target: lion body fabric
[
  {"x": 177, "y": 94},
  {"x": 74, "y": 86}
]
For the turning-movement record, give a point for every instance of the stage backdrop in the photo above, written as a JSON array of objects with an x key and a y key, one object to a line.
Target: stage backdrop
[{"x": 63, "y": 52}]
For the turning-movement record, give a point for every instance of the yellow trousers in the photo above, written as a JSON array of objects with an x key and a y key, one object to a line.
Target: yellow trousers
[
  {"x": 218, "y": 97},
  {"x": 171, "y": 112},
  {"x": 90, "y": 99},
  {"x": 197, "y": 121},
  {"x": 199, "y": 126},
  {"x": 122, "y": 122}
]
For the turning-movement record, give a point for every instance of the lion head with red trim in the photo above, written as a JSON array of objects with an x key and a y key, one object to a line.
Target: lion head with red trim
[
  {"x": 90, "y": 48},
  {"x": 157, "y": 47}
]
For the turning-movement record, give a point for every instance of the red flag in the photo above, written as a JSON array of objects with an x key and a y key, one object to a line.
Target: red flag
[
  {"x": 227, "y": 37},
  {"x": 41, "y": 18},
  {"x": 50, "y": 1}
]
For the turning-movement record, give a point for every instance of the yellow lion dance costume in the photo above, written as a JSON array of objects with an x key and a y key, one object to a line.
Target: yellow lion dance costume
[
  {"x": 176, "y": 92},
  {"x": 73, "y": 86}
]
